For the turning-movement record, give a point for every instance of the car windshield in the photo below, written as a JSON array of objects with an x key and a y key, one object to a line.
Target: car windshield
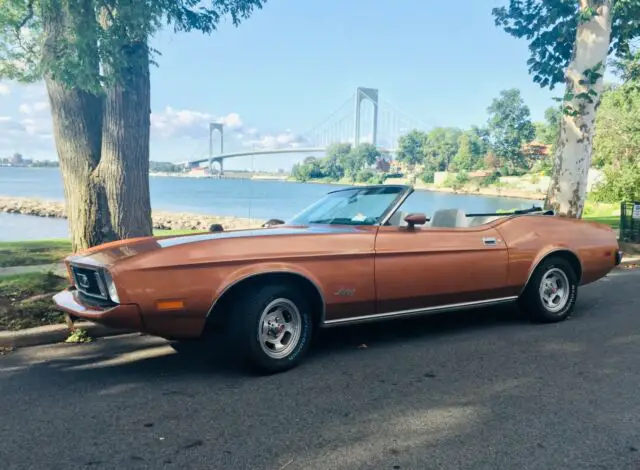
[{"x": 355, "y": 206}]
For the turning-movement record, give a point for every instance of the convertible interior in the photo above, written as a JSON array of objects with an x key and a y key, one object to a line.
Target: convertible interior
[{"x": 448, "y": 218}]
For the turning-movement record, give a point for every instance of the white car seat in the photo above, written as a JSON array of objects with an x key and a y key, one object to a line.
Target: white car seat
[{"x": 449, "y": 218}]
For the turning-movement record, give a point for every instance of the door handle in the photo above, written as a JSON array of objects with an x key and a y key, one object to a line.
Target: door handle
[{"x": 489, "y": 241}]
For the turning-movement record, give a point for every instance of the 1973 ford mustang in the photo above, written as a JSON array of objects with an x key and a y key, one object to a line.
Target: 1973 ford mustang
[{"x": 353, "y": 256}]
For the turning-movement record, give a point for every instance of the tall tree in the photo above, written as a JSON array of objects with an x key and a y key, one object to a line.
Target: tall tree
[
  {"x": 616, "y": 144},
  {"x": 441, "y": 146},
  {"x": 547, "y": 132},
  {"x": 470, "y": 152},
  {"x": 366, "y": 153},
  {"x": 510, "y": 127},
  {"x": 94, "y": 57},
  {"x": 411, "y": 147},
  {"x": 570, "y": 41}
]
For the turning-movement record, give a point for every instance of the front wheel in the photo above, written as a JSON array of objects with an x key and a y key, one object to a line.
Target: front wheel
[
  {"x": 271, "y": 328},
  {"x": 551, "y": 293}
]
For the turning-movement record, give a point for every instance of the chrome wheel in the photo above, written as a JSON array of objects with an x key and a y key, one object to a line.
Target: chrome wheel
[
  {"x": 554, "y": 290},
  {"x": 279, "y": 328}
]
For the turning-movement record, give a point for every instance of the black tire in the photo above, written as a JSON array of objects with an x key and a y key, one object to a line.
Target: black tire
[
  {"x": 531, "y": 300},
  {"x": 245, "y": 330}
]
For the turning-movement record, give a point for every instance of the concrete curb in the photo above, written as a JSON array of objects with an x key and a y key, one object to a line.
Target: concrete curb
[{"x": 51, "y": 334}]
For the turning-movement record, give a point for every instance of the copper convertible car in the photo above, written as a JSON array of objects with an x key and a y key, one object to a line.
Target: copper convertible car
[{"x": 353, "y": 256}]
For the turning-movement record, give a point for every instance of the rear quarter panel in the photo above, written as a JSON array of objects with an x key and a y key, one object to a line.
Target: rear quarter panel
[
  {"x": 198, "y": 273},
  {"x": 531, "y": 238}
]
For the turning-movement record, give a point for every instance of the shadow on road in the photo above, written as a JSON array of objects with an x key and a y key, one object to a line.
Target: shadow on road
[{"x": 144, "y": 356}]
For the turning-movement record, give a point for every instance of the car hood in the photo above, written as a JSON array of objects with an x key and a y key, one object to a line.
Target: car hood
[{"x": 109, "y": 253}]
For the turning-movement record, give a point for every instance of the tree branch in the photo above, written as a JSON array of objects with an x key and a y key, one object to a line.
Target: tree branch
[{"x": 28, "y": 17}]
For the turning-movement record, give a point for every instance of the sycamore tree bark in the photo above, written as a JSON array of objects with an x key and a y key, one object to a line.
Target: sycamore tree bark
[{"x": 583, "y": 78}]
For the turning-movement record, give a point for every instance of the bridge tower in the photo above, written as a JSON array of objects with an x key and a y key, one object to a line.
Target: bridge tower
[
  {"x": 363, "y": 94},
  {"x": 214, "y": 126}
]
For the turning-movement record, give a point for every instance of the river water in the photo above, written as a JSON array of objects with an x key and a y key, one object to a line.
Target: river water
[{"x": 257, "y": 199}]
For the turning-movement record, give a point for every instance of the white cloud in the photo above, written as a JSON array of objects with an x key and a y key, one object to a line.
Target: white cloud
[
  {"x": 287, "y": 139},
  {"x": 35, "y": 108},
  {"x": 195, "y": 124},
  {"x": 4, "y": 89},
  {"x": 186, "y": 123}
]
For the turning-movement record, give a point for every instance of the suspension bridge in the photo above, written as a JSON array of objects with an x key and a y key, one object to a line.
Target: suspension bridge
[{"x": 363, "y": 117}]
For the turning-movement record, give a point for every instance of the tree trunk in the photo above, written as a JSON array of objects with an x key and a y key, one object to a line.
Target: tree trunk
[
  {"x": 125, "y": 145},
  {"x": 77, "y": 124},
  {"x": 567, "y": 191},
  {"x": 77, "y": 130}
]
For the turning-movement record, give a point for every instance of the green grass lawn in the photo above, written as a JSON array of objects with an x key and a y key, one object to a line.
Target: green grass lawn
[
  {"x": 30, "y": 253},
  {"x": 25, "y": 300},
  {"x": 608, "y": 214}
]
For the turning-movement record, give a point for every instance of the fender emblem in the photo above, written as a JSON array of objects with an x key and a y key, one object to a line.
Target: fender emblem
[{"x": 345, "y": 292}]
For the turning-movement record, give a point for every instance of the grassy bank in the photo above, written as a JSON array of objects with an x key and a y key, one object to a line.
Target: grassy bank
[{"x": 25, "y": 300}]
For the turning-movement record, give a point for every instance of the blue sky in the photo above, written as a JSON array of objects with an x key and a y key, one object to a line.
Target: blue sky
[{"x": 294, "y": 62}]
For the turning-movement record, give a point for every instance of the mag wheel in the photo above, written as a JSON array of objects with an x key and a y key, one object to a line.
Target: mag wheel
[
  {"x": 271, "y": 328},
  {"x": 552, "y": 291}
]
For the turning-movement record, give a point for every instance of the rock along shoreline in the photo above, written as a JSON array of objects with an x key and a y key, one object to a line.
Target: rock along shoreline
[{"x": 161, "y": 220}]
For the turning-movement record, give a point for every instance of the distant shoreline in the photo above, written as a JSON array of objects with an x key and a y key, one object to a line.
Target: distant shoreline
[
  {"x": 491, "y": 191},
  {"x": 162, "y": 220},
  {"x": 509, "y": 193}
]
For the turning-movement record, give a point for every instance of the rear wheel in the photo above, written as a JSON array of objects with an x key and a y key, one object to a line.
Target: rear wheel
[
  {"x": 270, "y": 328},
  {"x": 551, "y": 293}
]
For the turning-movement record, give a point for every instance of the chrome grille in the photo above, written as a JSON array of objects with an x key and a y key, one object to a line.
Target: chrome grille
[{"x": 89, "y": 282}]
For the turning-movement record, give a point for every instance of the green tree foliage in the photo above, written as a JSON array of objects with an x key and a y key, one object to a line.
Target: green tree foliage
[
  {"x": 510, "y": 127},
  {"x": 411, "y": 147},
  {"x": 341, "y": 160},
  {"x": 569, "y": 41},
  {"x": 94, "y": 58},
  {"x": 617, "y": 141},
  {"x": 547, "y": 131},
  {"x": 441, "y": 147},
  {"x": 465, "y": 159},
  {"x": 550, "y": 26}
]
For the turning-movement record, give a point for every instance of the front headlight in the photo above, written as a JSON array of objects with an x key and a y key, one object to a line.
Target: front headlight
[{"x": 111, "y": 287}]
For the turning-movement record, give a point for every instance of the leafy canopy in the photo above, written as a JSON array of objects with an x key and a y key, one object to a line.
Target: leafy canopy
[
  {"x": 550, "y": 26},
  {"x": 616, "y": 145},
  {"x": 93, "y": 37},
  {"x": 510, "y": 127}
]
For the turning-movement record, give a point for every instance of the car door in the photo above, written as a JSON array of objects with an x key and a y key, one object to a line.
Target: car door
[{"x": 422, "y": 268}]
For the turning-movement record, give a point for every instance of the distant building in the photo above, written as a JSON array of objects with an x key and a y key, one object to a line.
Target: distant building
[
  {"x": 536, "y": 150},
  {"x": 199, "y": 171}
]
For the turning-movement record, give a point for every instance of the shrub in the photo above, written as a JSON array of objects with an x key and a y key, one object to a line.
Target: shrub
[{"x": 427, "y": 176}]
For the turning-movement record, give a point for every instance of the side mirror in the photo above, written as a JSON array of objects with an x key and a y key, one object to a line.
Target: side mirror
[{"x": 415, "y": 219}]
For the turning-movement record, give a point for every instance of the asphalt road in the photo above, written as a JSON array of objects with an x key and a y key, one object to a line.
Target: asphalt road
[{"x": 475, "y": 390}]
